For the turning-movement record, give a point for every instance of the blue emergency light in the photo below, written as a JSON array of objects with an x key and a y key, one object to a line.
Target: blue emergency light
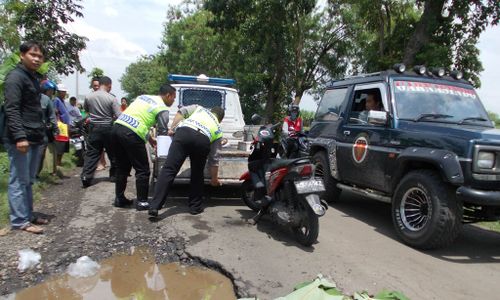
[{"x": 201, "y": 79}]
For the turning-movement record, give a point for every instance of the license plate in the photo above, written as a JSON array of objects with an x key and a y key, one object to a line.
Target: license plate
[
  {"x": 309, "y": 186},
  {"x": 78, "y": 146}
]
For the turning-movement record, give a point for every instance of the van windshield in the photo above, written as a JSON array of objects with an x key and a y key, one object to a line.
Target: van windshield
[
  {"x": 431, "y": 102},
  {"x": 204, "y": 97}
]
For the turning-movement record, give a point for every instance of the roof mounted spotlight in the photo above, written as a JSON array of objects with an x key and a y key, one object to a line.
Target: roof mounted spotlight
[
  {"x": 400, "y": 68},
  {"x": 457, "y": 74},
  {"x": 439, "y": 72},
  {"x": 419, "y": 69}
]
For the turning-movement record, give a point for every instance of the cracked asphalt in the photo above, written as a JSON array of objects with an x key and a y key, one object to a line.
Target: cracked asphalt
[{"x": 357, "y": 247}]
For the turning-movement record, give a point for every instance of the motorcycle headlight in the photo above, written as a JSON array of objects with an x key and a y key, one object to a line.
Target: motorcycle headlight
[{"x": 485, "y": 160}]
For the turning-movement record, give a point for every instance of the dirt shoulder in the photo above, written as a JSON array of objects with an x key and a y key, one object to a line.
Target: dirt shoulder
[{"x": 84, "y": 222}]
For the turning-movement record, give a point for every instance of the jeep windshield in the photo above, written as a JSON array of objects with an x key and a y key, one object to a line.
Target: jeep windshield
[{"x": 431, "y": 102}]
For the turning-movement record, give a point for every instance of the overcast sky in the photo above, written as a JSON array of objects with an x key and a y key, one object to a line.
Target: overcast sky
[{"x": 120, "y": 31}]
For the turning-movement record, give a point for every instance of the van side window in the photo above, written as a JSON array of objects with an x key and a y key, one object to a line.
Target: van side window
[{"x": 331, "y": 105}]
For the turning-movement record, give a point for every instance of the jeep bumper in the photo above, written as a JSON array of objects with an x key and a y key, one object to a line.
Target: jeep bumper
[{"x": 478, "y": 197}]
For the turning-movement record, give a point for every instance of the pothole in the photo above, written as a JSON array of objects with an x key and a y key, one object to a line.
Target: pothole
[{"x": 137, "y": 276}]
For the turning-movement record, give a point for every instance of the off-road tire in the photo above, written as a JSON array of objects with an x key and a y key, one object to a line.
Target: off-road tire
[
  {"x": 441, "y": 210},
  {"x": 322, "y": 170}
]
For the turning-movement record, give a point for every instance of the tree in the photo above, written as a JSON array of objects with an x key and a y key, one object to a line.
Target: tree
[
  {"x": 429, "y": 32},
  {"x": 95, "y": 73},
  {"x": 22, "y": 20},
  {"x": 143, "y": 77},
  {"x": 494, "y": 117},
  {"x": 293, "y": 46}
]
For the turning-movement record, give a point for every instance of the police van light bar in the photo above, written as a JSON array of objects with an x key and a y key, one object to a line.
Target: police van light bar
[
  {"x": 420, "y": 70},
  {"x": 201, "y": 79},
  {"x": 439, "y": 72},
  {"x": 400, "y": 68},
  {"x": 457, "y": 74}
]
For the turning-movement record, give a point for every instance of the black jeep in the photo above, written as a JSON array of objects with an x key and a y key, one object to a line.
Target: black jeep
[{"x": 419, "y": 140}]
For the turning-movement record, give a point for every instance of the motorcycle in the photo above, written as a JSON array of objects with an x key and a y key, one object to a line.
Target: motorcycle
[
  {"x": 285, "y": 189},
  {"x": 77, "y": 136},
  {"x": 300, "y": 149}
]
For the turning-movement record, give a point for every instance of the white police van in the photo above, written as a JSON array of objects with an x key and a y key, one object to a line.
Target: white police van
[{"x": 209, "y": 92}]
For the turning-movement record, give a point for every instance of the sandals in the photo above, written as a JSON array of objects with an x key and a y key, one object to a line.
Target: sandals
[{"x": 31, "y": 228}]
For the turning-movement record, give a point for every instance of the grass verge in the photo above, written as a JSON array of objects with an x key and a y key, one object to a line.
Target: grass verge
[
  {"x": 493, "y": 226},
  {"x": 45, "y": 181}
]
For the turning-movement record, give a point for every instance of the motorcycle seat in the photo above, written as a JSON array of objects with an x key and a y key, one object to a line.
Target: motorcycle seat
[{"x": 281, "y": 163}]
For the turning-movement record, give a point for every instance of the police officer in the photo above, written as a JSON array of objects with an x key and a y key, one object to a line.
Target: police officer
[
  {"x": 102, "y": 108},
  {"x": 129, "y": 136},
  {"x": 198, "y": 135}
]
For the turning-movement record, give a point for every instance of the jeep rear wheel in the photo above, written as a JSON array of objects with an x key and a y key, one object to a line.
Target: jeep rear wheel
[
  {"x": 425, "y": 211},
  {"x": 322, "y": 170}
]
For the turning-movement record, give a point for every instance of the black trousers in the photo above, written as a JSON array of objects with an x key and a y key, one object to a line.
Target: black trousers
[
  {"x": 130, "y": 151},
  {"x": 99, "y": 139},
  {"x": 186, "y": 142}
]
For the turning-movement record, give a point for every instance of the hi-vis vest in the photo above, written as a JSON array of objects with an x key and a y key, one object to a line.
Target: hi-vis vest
[
  {"x": 204, "y": 121},
  {"x": 141, "y": 114}
]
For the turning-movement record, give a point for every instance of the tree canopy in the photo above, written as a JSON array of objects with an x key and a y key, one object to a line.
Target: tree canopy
[
  {"x": 43, "y": 21},
  {"x": 278, "y": 49}
]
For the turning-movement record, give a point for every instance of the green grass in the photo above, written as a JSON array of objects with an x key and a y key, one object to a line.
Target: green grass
[
  {"x": 46, "y": 180},
  {"x": 494, "y": 226}
]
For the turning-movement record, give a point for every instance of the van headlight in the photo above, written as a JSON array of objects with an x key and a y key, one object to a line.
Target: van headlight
[{"x": 485, "y": 160}]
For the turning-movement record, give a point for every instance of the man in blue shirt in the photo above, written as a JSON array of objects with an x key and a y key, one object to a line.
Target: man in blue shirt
[{"x": 63, "y": 116}]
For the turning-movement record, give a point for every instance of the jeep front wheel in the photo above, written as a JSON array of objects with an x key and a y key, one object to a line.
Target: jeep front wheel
[
  {"x": 322, "y": 170},
  {"x": 425, "y": 211}
]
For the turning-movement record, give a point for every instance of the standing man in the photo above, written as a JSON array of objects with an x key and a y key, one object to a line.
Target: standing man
[
  {"x": 73, "y": 111},
  {"x": 24, "y": 136},
  {"x": 129, "y": 135},
  {"x": 102, "y": 108},
  {"x": 49, "y": 118},
  {"x": 94, "y": 84},
  {"x": 62, "y": 141},
  {"x": 198, "y": 136}
]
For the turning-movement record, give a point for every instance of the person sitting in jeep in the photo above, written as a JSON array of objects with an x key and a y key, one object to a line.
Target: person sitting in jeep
[{"x": 372, "y": 102}]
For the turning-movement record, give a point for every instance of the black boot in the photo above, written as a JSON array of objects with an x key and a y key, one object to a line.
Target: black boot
[
  {"x": 122, "y": 202},
  {"x": 141, "y": 205}
]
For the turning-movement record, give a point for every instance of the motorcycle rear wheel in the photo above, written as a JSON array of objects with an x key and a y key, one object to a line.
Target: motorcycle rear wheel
[
  {"x": 306, "y": 233},
  {"x": 248, "y": 195}
]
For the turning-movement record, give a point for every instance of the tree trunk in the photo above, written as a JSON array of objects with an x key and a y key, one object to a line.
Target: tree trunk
[{"x": 424, "y": 29}]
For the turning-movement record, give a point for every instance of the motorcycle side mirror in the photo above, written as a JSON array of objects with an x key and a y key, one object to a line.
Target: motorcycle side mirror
[{"x": 256, "y": 119}]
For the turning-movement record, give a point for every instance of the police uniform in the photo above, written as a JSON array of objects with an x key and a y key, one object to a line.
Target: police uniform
[
  {"x": 197, "y": 136},
  {"x": 102, "y": 108},
  {"x": 129, "y": 136}
]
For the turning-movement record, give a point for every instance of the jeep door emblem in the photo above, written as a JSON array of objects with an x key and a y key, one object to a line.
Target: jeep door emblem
[{"x": 360, "y": 149}]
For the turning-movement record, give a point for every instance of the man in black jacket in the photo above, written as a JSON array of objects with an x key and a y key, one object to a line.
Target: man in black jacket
[{"x": 24, "y": 135}]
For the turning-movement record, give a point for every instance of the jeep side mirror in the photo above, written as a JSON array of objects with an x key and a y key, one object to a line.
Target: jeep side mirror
[
  {"x": 376, "y": 117},
  {"x": 256, "y": 119}
]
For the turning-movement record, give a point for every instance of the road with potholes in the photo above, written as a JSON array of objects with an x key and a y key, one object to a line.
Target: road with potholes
[{"x": 357, "y": 247}]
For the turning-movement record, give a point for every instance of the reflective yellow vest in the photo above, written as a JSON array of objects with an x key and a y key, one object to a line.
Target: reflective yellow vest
[
  {"x": 206, "y": 122},
  {"x": 141, "y": 114}
]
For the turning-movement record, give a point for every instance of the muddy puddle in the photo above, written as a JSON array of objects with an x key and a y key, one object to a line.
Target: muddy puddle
[{"x": 135, "y": 276}]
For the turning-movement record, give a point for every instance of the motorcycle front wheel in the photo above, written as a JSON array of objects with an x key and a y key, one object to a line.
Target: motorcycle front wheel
[
  {"x": 248, "y": 195},
  {"x": 306, "y": 233}
]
